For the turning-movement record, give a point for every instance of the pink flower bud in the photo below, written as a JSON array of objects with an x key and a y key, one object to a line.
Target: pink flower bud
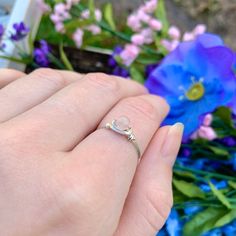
[
  {"x": 133, "y": 22},
  {"x": 166, "y": 44},
  {"x": 60, "y": 8},
  {"x": 78, "y": 37},
  {"x": 98, "y": 15},
  {"x": 208, "y": 120},
  {"x": 188, "y": 36},
  {"x": 174, "y": 32},
  {"x": 150, "y": 6},
  {"x": 155, "y": 24},
  {"x": 174, "y": 45},
  {"x": 85, "y": 14},
  {"x": 129, "y": 54},
  {"x": 94, "y": 29},
  {"x": 142, "y": 16},
  {"x": 137, "y": 39},
  {"x": 148, "y": 35},
  {"x": 60, "y": 27},
  {"x": 55, "y": 18},
  {"x": 207, "y": 133},
  {"x": 199, "y": 29}
]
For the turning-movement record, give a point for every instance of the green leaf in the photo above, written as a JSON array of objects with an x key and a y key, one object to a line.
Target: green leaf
[
  {"x": 221, "y": 197},
  {"x": 224, "y": 113},
  {"x": 136, "y": 75},
  {"x": 188, "y": 189},
  {"x": 203, "y": 221},
  {"x": 146, "y": 59},
  {"x": 226, "y": 219},
  {"x": 232, "y": 184},
  {"x": 91, "y": 7},
  {"x": 219, "y": 151},
  {"x": 14, "y": 59},
  {"x": 161, "y": 14},
  {"x": 74, "y": 24},
  {"x": 65, "y": 59},
  {"x": 108, "y": 15}
]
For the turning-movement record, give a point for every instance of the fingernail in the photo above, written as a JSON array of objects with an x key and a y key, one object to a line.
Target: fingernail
[{"x": 172, "y": 143}]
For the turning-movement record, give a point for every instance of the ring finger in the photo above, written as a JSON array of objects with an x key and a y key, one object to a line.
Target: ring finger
[{"x": 106, "y": 161}]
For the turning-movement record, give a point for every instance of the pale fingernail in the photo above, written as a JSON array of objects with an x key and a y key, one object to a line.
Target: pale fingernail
[{"x": 172, "y": 143}]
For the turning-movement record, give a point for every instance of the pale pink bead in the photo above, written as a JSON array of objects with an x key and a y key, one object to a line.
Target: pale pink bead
[
  {"x": 166, "y": 44},
  {"x": 174, "y": 32},
  {"x": 188, "y": 36},
  {"x": 200, "y": 29},
  {"x": 155, "y": 24},
  {"x": 55, "y": 18},
  {"x": 207, "y": 133},
  {"x": 60, "y": 27},
  {"x": 133, "y": 22},
  {"x": 129, "y": 54},
  {"x": 137, "y": 39},
  {"x": 43, "y": 6},
  {"x": 78, "y": 37},
  {"x": 207, "y": 120},
  {"x": 142, "y": 16},
  {"x": 85, "y": 14},
  {"x": 94, "y": 29},
  {"x": 150, "y": 6},
  {"x": 98, "y": 15},
  {"x": 148, "y": 35}
]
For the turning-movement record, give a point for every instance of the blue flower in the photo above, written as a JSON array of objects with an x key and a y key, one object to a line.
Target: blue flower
[
  {"x": 195, "y": 79},
  {"x": 41, "y": 54},
  {"x": 21, "y": 31},
  {"x": 173, "y": 225}
]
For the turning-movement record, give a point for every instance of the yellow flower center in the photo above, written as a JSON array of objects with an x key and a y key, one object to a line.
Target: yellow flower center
[{"x": 195, "y": 92}]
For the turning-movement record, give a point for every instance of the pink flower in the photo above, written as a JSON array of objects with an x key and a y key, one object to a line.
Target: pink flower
[
  {"x": 129, "y": 54},
  {"x": 169, "y": 45},
  {"x": 60, "y": 27},
  {"x": 94, "y": 29},
  {"x": 69, "y": 3},
  {"x": 148, "y": 35},
  {"x": 142, "y": 16},
  {"x": 174, "y": 32},
  {"x": 207, "y": 133},
  {"x": 208, "y": 120},
  {"x": 78, "y": 37},
  {"x": 55, "y": 18},
  {"x": 85, "y": 14},
  {"x": 174, "y": 44},
  {"x": 60, "y": 8},
  {"x": 137, "y": 39},
  {"x": 155, "y": 24},
  {"x": 134, "y": 22},
  {"x": 98, "y": 15},
  {"x": 150, "y": 6},
  {"x": 43, "y": 6},
  {"x": 188, "y": 36},
  {"x": 199, "y": 29}
]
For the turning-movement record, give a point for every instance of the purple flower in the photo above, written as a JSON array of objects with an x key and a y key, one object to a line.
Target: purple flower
[
  {"x": 1, "y": 31},
  {"x": 21, "y": 31},
  {"x": 196, "y": 78},
  {"x": 41, "y": 54}
]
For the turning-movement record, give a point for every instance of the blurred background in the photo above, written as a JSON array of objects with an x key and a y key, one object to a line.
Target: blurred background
[{"x": 218, "y": 15}]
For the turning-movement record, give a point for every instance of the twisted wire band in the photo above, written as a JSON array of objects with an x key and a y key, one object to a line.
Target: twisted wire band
[{"x": 127, "y": 133}]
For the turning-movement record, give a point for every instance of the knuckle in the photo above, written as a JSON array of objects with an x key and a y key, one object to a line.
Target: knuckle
[
  {"x": 51, "y": 76},
  {"x": 139, "y": 105},
  {"x": 103, "y": 81}
]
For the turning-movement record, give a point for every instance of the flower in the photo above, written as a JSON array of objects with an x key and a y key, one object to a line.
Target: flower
[
  {"x": 129, "y": 54},
  {"x": 44, "y": 7},
  {"x": 21, "y": 31},
  {"x": 41, "y": 54},
  {"x": 196, "y": 78},
  {"x": 173, "y": 225},
  {"x": 78, "y": 37},
  {"x": 2, "y": 45}
]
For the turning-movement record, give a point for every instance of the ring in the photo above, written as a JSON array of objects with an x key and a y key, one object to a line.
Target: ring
[{"x": 122, "y": 126}]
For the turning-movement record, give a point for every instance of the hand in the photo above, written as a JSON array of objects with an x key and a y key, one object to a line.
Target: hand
[{"x": 63, "y": 174}]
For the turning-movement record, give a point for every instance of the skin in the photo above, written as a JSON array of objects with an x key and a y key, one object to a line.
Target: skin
[{"x": 63, "y": 174}]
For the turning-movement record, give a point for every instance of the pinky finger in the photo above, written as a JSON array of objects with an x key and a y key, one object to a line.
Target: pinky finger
[
  {"x": 9, "y": 75},
  {"x": 150, "y": 197}
]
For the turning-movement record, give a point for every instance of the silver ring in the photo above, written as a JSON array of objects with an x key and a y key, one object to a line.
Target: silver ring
[{"x": 122, "y": 126}]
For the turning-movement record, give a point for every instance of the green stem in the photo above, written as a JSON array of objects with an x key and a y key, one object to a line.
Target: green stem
[
  {"x": 57, "y": 62},
  {"x": 202, "y": 172}
]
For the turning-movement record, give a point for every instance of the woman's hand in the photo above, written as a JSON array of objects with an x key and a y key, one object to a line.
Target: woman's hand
[{"x": 63, "y": 174}]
